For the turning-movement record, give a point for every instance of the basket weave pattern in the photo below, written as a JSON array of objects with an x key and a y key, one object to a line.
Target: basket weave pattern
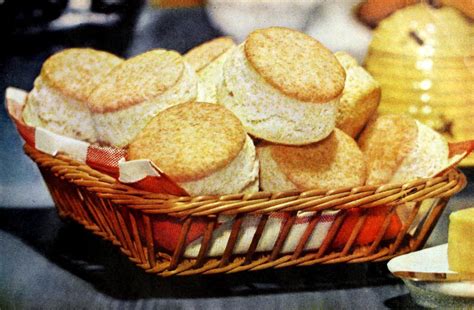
[{"x": 124, "y": 215}]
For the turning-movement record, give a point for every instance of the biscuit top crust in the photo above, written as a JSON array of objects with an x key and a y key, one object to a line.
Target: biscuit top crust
[
  {"x": 136, "y": 80},
  {"x": 75, "y": 72},
  {"x": 385, "y": 142},
  {"x": 190, "y": 141},
  {"x": 202, "y": 55},
  {"x": 295, "y": 64},
  {"x": 333, "y": 162}
]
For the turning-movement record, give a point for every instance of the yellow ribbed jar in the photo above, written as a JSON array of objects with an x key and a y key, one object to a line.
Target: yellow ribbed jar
[{"x": 423, "y": 58}]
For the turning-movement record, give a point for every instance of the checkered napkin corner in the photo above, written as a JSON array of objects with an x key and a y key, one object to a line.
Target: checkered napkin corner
[
  {"x": 14, "y": 102},
  {"x": 141, "y": 174},
  {"x": 457, "y": 152}
]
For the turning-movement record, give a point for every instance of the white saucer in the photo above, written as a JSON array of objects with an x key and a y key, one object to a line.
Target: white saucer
[{"x": 426, "y": 274}]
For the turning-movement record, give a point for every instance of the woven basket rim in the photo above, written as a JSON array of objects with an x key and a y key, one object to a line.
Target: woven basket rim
[{"x": 366, "y": 196}]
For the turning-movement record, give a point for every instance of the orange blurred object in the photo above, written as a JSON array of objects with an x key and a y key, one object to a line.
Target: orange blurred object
[
  {"x": 371, "y": 12},
  {"x": 465, "y": 6},
  {"x": 176, "y": 3},
  {"x": 370, "y": 228}
]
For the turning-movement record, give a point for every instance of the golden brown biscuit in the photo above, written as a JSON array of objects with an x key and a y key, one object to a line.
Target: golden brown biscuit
[
  {"x": 75, "y": 72},
  {"x": 386, "y": 142},
  {"x": 140, "y": 78},
  {"x": 283, "y": 85},
  {"x": 201, "y": 146},
  {"x": 202, "y": 55},
  {"x": 331, "y": 163},
  {"x": 208, "y": 61},
  {"x": 58, "y": 101},
  {"x": 137, "y": 90},
  {"x": 360, "y": 98},
  {"x": 399, "y": 149},
  {"x": 295, "y": 64}
]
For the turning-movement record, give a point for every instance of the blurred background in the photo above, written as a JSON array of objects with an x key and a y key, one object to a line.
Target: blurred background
[{"x": 420, "y": 51}]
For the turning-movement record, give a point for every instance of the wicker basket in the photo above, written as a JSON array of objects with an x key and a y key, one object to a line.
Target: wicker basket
[{"x": 124, "y": 216}]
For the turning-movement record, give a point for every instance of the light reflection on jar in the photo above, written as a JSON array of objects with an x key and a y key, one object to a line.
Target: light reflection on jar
[
  {"x": 431, "y": 28},
  {"x": 426, "y": 109},
  {"x": 425, "y": 84},
  {"x": 426, "y": 51},
  {"x": 424, "y": 64},
  {"x": 425, "y": 97}
]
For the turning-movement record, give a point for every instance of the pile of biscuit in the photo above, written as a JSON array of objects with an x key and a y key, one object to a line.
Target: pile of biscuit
[{"x": 277, "y": 112}]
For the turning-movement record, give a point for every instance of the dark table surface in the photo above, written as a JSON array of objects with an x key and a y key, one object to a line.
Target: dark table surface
[{"x": 47, "y": 263}]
